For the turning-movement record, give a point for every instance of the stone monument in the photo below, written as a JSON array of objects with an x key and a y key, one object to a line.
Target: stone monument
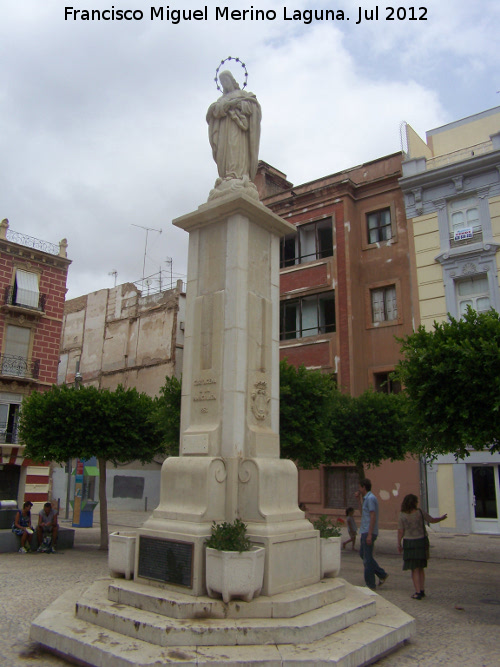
[{"x": 228, "y": 467}]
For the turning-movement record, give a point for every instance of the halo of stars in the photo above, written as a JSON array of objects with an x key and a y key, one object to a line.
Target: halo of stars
[{"x": 222, "y": 63}]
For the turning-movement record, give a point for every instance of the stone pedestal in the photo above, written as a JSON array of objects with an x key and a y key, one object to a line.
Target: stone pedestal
[
  {"x": 229, "y": 463},
  {"x": 228, "y": 467}
]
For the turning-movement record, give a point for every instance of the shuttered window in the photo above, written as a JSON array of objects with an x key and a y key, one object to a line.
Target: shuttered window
[
  {"x": 341, "y": 484},
  {"x": 26, "y": 291},
  {"x": 384, "y": 304}
]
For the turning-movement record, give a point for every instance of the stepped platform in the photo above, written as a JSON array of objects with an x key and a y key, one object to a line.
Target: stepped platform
[{"x": 136, "y": 625}]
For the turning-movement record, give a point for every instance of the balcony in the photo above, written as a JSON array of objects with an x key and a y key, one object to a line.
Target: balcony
[
  {"x": 33, "y": 302},
  {"x": 19, "y": 368},
  {"x": 8, "y": 434}
]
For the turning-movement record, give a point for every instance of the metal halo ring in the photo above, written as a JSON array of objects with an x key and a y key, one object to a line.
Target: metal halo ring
[{"x": 222, "y": 63}]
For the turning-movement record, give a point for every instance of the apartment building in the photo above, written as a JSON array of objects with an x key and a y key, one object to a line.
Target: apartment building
[
  {"x": 128, "y": 336},
  {"x": 32, "y": 287},
  {"x": 451, "y": 185},
  {"x": 345, "y": 294}
]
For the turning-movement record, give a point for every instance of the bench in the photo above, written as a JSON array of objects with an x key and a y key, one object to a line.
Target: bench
[{"x": 10, "y": 542}]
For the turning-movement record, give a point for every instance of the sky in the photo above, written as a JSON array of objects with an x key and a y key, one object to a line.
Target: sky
[{"x": 102, "y": 123}]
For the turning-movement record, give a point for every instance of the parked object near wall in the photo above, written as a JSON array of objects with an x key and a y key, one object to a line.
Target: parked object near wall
[
  {"x": 121, "y": 554},
  {"x": 330, "y": 545},
  {"x": 330, "y": 549},
  {"x": 234, "y": 568},
  {"x": 235, "y": 575}
]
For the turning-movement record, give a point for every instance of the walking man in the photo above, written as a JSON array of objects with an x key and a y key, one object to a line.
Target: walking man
[{"x": 369, "y": 531}]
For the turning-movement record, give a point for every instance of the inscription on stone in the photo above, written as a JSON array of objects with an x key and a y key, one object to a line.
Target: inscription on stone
[
  {"x": 205, "y": 396},
  {"x": 168, "y": 561}
]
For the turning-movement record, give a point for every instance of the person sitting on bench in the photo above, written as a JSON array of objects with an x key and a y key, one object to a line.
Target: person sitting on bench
[
  {"x": 22, "y": 526},
  {"x": 47, "y": 526}
]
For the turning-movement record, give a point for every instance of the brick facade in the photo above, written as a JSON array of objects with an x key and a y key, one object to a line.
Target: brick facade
[
  {"x": 352, "y": 268},
  {"x": 31, "y": 365}
]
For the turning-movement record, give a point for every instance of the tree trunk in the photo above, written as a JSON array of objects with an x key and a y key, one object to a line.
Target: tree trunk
[
  {"x": 103, "y": 505},
  {"x": 361, "y": 471}
]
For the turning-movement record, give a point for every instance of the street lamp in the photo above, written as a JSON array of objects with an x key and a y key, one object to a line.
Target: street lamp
[{"x": 77, "y": 385}]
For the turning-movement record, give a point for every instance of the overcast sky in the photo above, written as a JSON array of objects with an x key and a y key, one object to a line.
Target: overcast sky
[{"x": 102, "y": 123}]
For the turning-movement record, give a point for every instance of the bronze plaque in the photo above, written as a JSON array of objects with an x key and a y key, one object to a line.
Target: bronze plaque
[{"x": 167, "y": 561}]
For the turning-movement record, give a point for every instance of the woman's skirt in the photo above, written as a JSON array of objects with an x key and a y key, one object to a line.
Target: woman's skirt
[{"x": 414, "y": 554}]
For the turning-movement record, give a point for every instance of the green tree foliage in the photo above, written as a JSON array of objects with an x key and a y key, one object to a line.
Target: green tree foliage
[
  {"x": 368, "y": 429},
  {"x": 167, "y": 415},
  {"x": 65, "y": 422},
  {"x": 318, "y": 424},
  {"x": 305, "y": 406},
  {"x": 451, "y": 375}
]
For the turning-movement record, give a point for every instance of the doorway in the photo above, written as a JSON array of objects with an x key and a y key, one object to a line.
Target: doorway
[{"x": 484, "y": 487}]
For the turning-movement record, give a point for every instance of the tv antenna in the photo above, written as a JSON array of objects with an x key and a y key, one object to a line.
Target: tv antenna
[
  {"x": 169, "y": 262},
  {"x": 113, "y": 273},
  {"x": 147, "y": 229}
]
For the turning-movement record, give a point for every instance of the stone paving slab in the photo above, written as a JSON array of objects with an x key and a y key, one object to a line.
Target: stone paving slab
[{"x": 458, "y": 623}]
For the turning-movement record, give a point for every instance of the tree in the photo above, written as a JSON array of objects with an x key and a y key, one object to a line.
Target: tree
[
  {"x": 318, "y": 424},
  {"x": 368, "y": 429},
  {"x": 451, "y": 375},
  {"x": 305, "y": 407},
  {"x": 65, "y": 422},
  {"x": 167, "y": 415}
]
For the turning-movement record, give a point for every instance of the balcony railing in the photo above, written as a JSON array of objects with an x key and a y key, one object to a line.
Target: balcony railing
[
  {"x": 32, "y": 242},
  {"x": 13, "y": 299},
  {"x": 8, "y": 436},
  {"x": 20, "y": 367}
]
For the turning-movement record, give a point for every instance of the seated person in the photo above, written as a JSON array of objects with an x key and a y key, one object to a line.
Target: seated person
[
  {"x": 47, "y": 525},
  {"x": 22, "y": 526}
]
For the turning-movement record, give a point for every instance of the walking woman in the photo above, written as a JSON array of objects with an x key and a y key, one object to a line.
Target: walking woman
[{"x": 411, "y": 531}]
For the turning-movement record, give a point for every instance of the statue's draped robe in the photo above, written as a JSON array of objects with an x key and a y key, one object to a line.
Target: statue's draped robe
[{"x": 234, "y": 133}]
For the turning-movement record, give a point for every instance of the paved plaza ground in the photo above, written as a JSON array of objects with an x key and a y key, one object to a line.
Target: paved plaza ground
[{"x": 458, "y": 623}]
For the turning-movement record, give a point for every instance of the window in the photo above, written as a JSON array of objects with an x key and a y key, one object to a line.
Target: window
[
  {"x": 307, "y": 316},
  {"x": 16, "y": 350},
  {"x": 9, "y": 417},
  {"x": 473, "y": 292},
  {"x": 379, "y": 225},
  {"x": 465, "y": 226},
  {"x": 340, "y": 486},
  {"x": 312, "y": 241},
  {"x": 287, "y": 251},
  {"x": 25, "y": 292},
  {"x": 384, "y": 304},
  {"x": 383, "y": 383}
]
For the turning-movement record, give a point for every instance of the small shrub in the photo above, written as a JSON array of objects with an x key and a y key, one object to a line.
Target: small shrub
[
  {"x": 327, "y": 528},
  {"x": 229, "y": 537}
]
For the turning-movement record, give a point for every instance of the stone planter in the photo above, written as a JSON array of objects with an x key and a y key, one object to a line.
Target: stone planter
[
  {"x": 121, "y": 554},
  {"x": 330, "y": 556},
  {"x": 235, "y": 575}
]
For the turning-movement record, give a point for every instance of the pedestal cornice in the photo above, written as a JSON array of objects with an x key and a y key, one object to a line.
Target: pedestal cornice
[{"x": 235, "y": 204}]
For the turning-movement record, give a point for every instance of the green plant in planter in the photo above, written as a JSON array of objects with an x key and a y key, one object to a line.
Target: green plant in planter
[
  {"x": 327, "y": 528},
  {"x": 229, "y": 537}
]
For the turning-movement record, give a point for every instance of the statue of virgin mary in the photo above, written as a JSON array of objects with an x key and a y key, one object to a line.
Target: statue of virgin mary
[{"x": 234, "y": 134}]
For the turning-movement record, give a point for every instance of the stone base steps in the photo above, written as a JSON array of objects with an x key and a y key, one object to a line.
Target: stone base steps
[
  {"x": 94, "y": 607},
  {"x": 79, "y": 640},
  {"x": 180, "y": 605}
]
